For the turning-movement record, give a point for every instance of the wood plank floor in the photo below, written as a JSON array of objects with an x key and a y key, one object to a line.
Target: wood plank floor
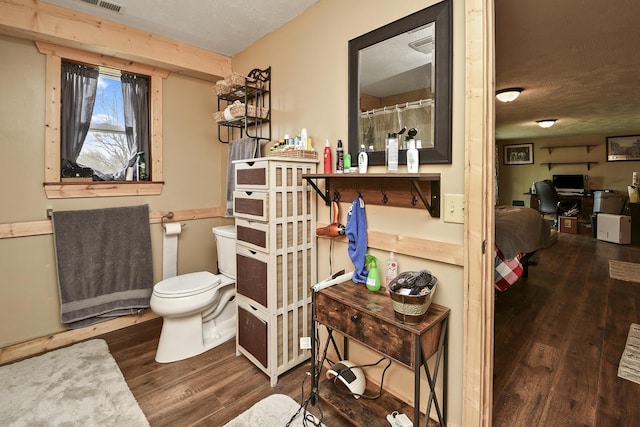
[
  {"x": 207, "y": 390},
  {"x": 559, "y": 336}
]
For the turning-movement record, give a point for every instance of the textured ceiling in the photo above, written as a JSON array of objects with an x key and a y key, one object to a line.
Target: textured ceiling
[
  {"x": 222, "y": 26},
  {"x": 577, "y": 60}
]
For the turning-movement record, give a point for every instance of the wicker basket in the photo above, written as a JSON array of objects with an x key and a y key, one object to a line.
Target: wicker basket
[
  {"x": 411, "y": 309},
  {"x": 222, "y": 87},
  {"x": 235, "y": 79},
  {"x": 238, "y": 110}
]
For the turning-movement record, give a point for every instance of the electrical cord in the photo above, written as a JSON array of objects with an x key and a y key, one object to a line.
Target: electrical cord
[{"x": 308, "y": 418}]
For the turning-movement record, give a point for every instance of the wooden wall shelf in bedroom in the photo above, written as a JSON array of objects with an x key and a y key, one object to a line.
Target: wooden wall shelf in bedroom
[
  {"x": 550, "y": 148},
  {"x": 552, "y": 164}
]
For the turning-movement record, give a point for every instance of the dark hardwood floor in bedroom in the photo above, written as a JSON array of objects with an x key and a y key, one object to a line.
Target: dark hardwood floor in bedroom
[{"x": 559, "y": 336}]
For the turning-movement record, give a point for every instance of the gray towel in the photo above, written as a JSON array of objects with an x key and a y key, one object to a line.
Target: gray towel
[
  {"x": 104, "y": 260},
  {"x": 239, "y": 149}
]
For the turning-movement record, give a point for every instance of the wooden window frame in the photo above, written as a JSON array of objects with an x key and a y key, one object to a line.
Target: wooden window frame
[{"x": 54, "y": 187}]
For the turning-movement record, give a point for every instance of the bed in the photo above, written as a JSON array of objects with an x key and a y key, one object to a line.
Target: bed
[{"x": 520, "y": 232}]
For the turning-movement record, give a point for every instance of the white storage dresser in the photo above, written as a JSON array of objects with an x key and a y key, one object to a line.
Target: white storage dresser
[{"x": 274, "y": 210}]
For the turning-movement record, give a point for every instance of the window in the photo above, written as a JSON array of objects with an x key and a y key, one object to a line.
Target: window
[
  {"x": 109, "y": 123},
  {"x": 105, "y": 149},
  {"x": 105, "y": 123}
]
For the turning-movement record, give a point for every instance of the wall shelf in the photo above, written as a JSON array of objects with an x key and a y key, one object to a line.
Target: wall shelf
[
  {"x": 256, "y": 99},
  {"x": 552, "y": 164},
  {"x": 397, "y": 189},
  {"x": 550, "y": 148}
]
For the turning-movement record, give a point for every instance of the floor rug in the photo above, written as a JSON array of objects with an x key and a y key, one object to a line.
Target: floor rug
[
  {"x": 627, "y": 271},
  {"x": 79, "y": 385},
  {"x": 629, "y": 367},
  {"x": 275, "y": 410}
]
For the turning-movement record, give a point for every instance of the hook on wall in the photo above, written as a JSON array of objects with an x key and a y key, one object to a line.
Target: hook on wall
[
  {"x": 414, "y": 198},
  {"x": 385, "y": 199}
]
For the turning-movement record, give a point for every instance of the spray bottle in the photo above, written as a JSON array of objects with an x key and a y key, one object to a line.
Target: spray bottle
[
  {"x": 328, "y": 164},
  {"x": 373, "y": 278}
]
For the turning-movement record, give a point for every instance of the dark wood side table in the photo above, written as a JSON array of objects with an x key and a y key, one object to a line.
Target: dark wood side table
[{"x": 368, "y": 317}]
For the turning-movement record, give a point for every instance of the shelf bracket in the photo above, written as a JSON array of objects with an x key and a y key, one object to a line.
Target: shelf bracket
[
  {"x": 325, "y": 195},
  {"x": 433, "y": 206}
]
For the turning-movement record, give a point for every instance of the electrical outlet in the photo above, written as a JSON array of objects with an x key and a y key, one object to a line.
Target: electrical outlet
[
  {"x": 305, "y": 343},
  {"x": 454, "y": 208}
]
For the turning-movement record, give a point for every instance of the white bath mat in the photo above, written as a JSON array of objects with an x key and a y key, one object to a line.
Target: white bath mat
[
  {"x": 629, "y": 367},
  {"x": 275, "y": 410},
  {"x": 79, "y": 385}
]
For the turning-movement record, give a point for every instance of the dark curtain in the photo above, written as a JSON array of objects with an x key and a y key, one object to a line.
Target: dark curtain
[
  {"x": 78, "y": 95},
  {"x": 135, "y": 96}
]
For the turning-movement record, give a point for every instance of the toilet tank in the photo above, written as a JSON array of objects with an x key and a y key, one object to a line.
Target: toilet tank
[{"x": 225, "y": 236}]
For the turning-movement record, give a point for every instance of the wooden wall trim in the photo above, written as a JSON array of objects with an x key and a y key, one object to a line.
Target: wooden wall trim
[
  {"x": 51, "y": 342},
  {"x": 479, "y": 137},
  {"x": 448, "y": 253},
  {"x": 36, "y": 20},
  {"x": 37, "y": 228}
]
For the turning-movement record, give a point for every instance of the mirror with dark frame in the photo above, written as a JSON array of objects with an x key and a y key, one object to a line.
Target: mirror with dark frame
[{"x": 400, "y": 82}]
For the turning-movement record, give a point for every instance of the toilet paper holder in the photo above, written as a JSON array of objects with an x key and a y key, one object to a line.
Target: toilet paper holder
[{"x": 169, "y": 215}]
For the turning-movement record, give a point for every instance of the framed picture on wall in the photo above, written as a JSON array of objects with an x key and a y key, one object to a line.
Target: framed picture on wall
[
  {"x": 518, "y": 154},
  {"x": 623, "y": 148}
]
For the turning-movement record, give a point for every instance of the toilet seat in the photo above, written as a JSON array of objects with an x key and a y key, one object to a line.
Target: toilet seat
[{"x": 186, "y": 285}]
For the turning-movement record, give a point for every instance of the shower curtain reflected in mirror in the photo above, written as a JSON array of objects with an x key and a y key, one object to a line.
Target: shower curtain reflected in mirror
[{"x": 376, "y": 124}]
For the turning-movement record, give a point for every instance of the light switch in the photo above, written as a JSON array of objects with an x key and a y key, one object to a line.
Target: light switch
[{"x": 454, "y": 208}]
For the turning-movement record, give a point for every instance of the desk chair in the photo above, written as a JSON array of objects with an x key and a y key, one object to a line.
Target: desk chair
[{"x": 550, "y": 203}]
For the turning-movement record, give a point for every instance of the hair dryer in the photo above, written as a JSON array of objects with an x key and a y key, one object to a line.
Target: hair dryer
[{"x": 334, "y": 229}]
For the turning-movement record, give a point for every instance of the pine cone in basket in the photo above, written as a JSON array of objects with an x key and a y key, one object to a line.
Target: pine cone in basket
[{"x": 419, "y": 282}]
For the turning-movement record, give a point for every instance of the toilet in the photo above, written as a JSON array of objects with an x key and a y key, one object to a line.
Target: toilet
[{"x": 198, "y": 309}]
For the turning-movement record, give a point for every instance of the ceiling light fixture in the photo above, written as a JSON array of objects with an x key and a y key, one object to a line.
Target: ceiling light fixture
[
  {"x": 546, "y": 123},
  {"x": 509, "y": 94}
]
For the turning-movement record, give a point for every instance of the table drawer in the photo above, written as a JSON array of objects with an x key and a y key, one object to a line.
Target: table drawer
[
  {"x": 252, "y": 175},
  {"x": 373, "y": 332},
  {"x": 251, "y": 205}
]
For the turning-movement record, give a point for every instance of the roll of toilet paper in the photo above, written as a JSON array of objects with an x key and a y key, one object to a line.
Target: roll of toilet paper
[{"x": 170, "y": 249}]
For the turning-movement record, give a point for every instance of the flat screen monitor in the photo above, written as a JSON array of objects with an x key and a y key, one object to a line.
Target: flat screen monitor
[{"x": 569, "y": 182}]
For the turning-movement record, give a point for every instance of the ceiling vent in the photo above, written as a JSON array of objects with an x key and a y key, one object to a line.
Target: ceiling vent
[{"x": 109, "y": 5}]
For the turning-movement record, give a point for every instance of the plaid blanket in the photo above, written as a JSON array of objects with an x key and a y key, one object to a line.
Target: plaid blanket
[{"x": 507, "y": 271}]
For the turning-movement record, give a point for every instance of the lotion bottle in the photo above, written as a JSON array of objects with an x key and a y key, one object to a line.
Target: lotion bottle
[
  {"x": 363, "y": 160},
  {"x": 392, "y": 269},
  {"x": 412, "y": 157},
  {"x": 327, "y": 158}
]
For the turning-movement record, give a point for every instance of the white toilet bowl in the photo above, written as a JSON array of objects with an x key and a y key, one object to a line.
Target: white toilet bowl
[{"x": 198, "y": 309}]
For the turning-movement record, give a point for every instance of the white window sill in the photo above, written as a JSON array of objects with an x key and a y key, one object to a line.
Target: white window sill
[{"x": 67, "y": 190}]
